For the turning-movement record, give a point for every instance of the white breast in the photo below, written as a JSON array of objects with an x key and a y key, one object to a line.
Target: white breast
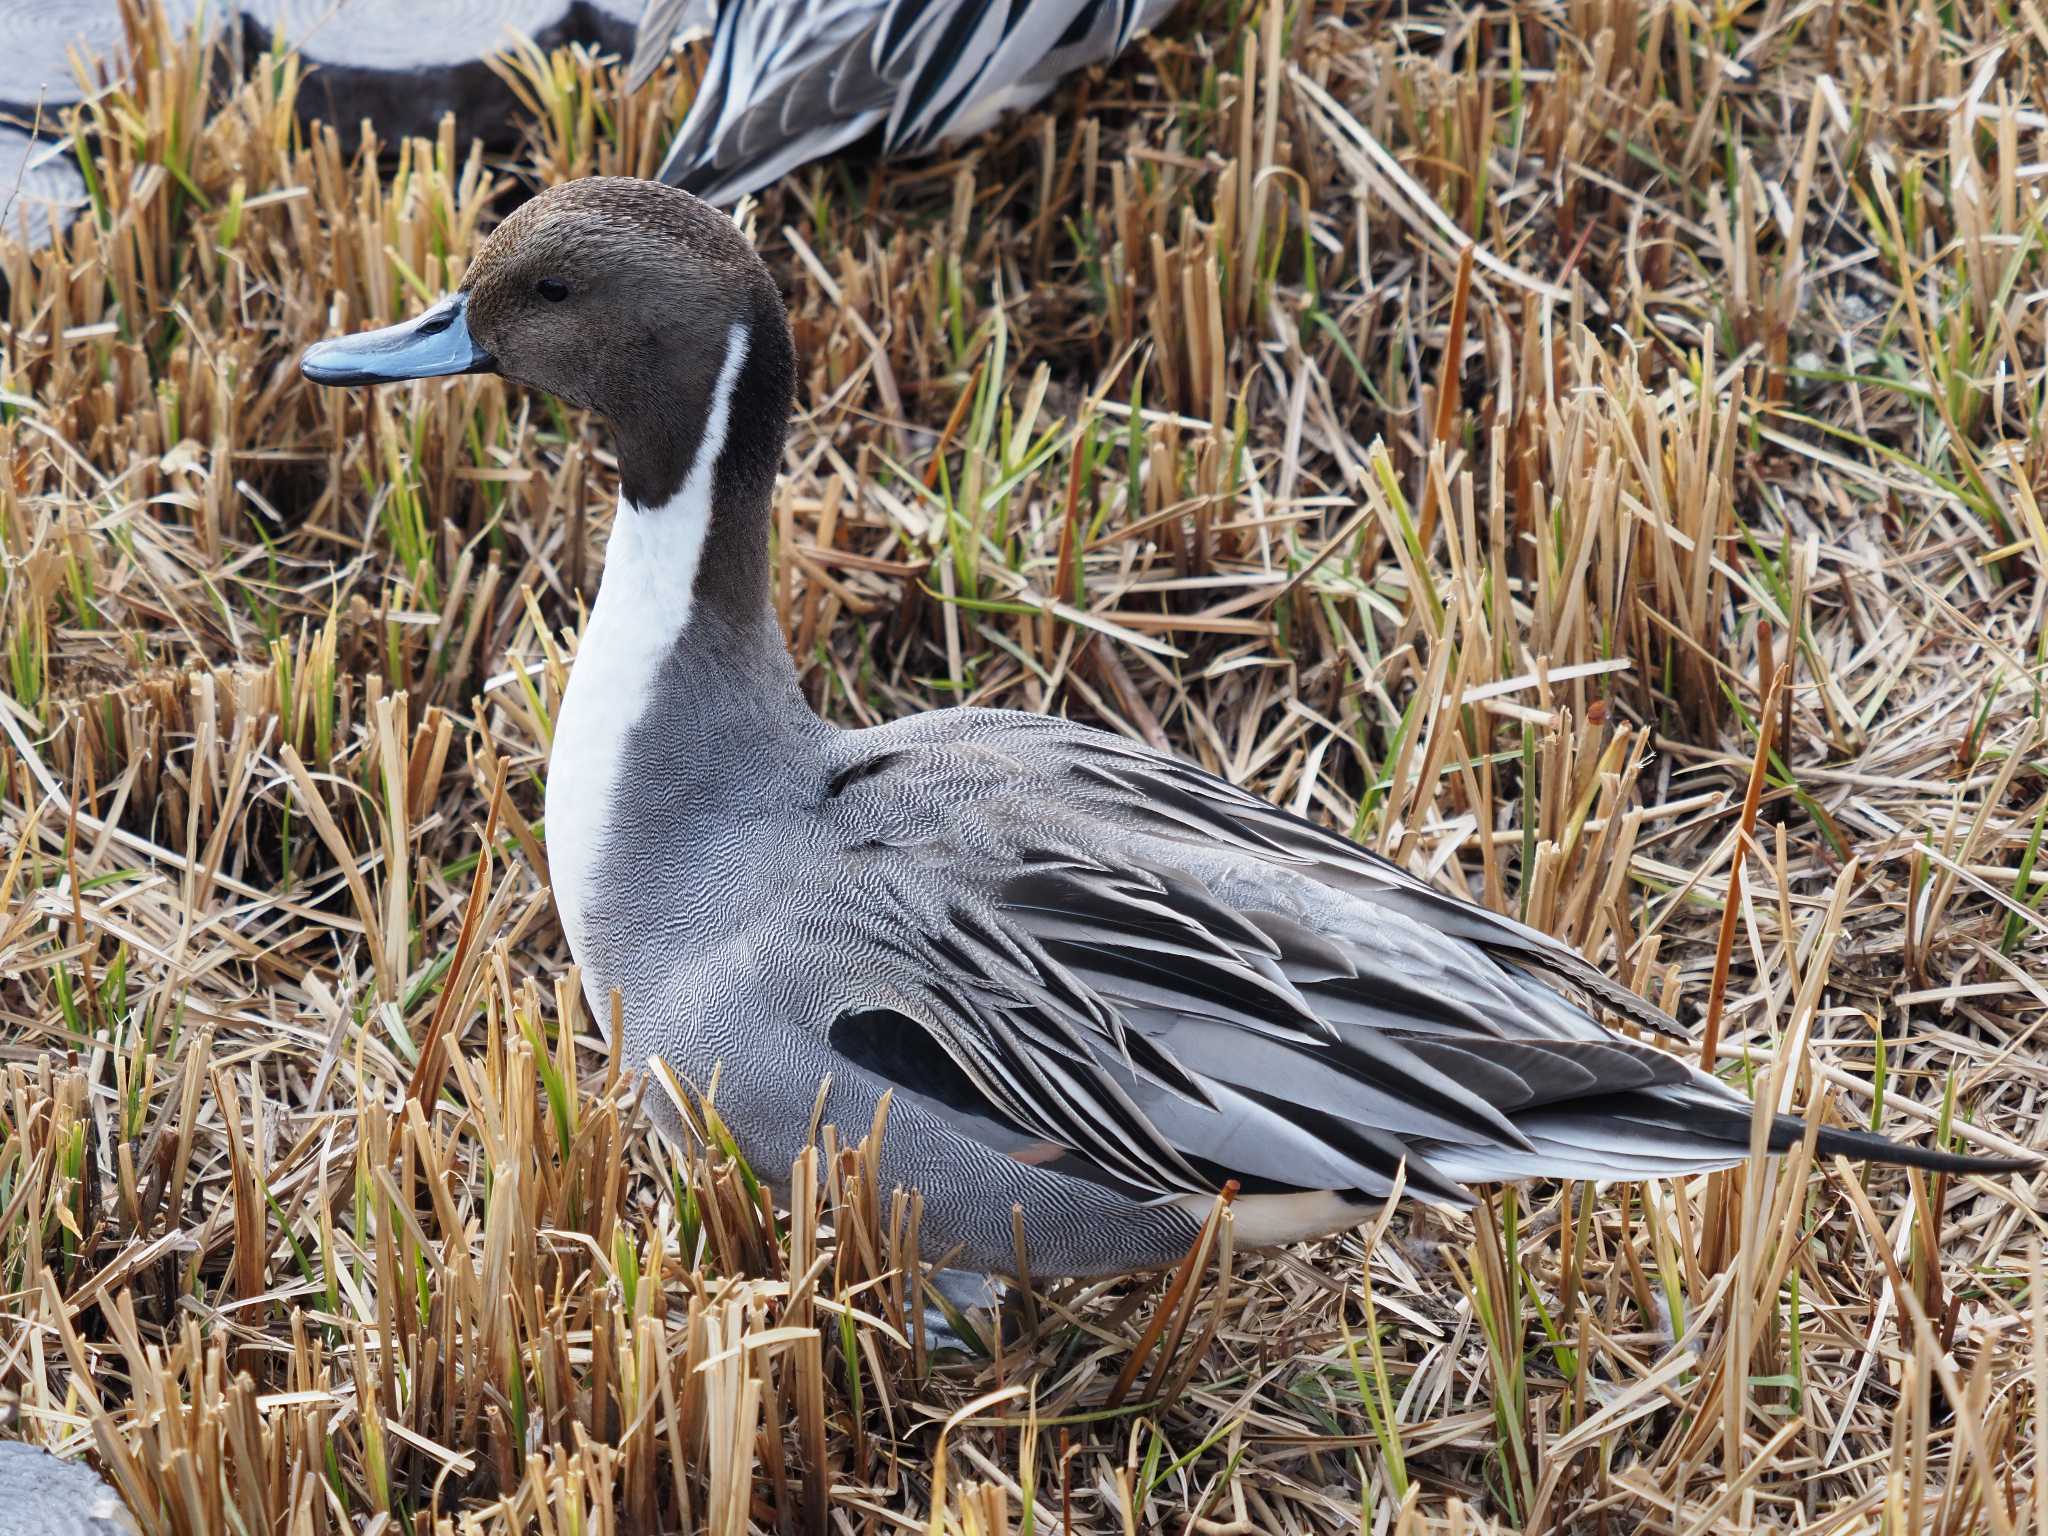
[{"x": 643, "y": 605}]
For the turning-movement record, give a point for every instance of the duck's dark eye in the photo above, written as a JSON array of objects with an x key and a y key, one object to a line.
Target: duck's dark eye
[{"x": 553, "y": 289}]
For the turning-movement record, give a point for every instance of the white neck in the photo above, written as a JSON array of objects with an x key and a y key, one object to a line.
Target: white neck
[{"x": 643, "y": 606}]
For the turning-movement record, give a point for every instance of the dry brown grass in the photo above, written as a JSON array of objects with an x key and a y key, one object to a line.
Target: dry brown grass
[{"x": 1667, "y": 569}]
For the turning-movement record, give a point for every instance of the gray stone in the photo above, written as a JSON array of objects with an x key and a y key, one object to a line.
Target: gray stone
[{"x": 45, "y": 1495}]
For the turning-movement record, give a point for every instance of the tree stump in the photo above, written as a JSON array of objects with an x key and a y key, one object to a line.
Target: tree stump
[
  {"x": 404, "y": 63},
  {"x": 38, "y": 36},
  {"x": 40, "y": 188},
  {"x": 611, "y": 24}
]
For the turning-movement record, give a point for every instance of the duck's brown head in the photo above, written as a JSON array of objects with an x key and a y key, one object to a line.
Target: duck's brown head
[{"x": 630, "y": 298}]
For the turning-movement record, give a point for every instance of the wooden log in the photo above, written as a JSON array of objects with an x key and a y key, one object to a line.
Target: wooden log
[
  {"x": 40, "y": 188},
  {"x": 404, "y": 63},
  {"x": 36, "y": 42},
  {"x": 611, "y": 24}
]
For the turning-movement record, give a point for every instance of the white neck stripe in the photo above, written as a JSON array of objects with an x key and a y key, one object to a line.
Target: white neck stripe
[
  {"x": 643, "y": 606},
  {"x": 697, "y": 485}
]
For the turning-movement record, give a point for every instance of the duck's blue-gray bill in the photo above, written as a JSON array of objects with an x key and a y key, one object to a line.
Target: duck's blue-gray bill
[{"x": 428, "y": 346}]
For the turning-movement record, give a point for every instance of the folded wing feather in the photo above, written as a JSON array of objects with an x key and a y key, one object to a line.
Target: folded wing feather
[
  {"x": 788, "y": 83},
  {"x": 1179, "y": 983}
]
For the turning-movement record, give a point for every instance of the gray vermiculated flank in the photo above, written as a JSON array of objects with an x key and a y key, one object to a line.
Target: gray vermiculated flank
[
  {"x": 1097, "y": 981},
  {"x": 788, "y": 83}
]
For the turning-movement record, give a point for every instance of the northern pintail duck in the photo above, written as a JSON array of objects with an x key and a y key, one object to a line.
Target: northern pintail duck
[
  {"x": 787, "y": 83},
  {"x": 1097, "y": 981}
]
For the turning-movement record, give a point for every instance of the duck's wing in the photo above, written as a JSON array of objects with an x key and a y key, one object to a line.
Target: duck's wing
[
  {"x": 1153, "y": 977},
  {"x": 788, "y": 83},
  {"x": 1175, "y": 982},
  {"x": 1176, "y": 800}
]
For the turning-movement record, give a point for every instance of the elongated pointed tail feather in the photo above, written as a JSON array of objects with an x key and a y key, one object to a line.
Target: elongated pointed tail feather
[
  {"x": 1787, "y": 1131},
  {"x": 1662, "y": 1131},
  {"x": 1731, "y": 1123},
  {"x": 1833, "y": 1142}
]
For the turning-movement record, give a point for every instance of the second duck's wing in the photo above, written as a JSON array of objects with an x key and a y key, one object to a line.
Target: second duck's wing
[
  {"x": 784, "y": 84},
  {"x": 787, "y": 83},
  {"x": 663, "y": 25},
  {"x": 989, "y": 59}
]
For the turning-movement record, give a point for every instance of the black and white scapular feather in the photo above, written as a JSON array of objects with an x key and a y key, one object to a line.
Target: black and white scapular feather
[
  {"x": 1094, "y": 982},
  {"x": 791, "y": 81}
]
